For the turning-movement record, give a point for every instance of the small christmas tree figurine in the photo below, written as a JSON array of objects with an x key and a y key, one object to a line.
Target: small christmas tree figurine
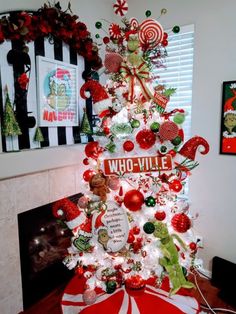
[
  {"x": 10, "y": 125},
  {"x": 38, "y": 136},
  {"x": 85, "y": 125}
]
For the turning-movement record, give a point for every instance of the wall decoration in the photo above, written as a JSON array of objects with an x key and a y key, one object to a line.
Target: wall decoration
[
  {"x": 55, "y": 34},
  {"x": 228, "y": 119},
  {"x": 57, "y": 92}
]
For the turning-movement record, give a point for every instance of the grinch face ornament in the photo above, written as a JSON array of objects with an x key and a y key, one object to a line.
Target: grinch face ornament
[{"x": 81, "y": 243}]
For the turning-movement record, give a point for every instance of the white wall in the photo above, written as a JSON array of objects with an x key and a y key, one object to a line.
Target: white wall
[{"x": 212, "y": 184}]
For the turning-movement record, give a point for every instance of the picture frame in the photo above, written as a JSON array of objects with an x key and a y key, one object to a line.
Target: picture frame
[
  {"x": 57, "y": 93},
  {"x": 228, "y": 119}
]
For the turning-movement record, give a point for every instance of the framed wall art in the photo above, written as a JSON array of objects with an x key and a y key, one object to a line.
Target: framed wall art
[
  {"x": 228, "y": 119},
  {"x": 57, "y": 86}
]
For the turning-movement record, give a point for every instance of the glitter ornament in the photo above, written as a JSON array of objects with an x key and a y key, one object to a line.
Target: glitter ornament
[
  {"x": 112, "y": 62},
  {"x": 148, "y": 227},
  {"x": 146, "y": 139},
  {"x": 89, "y": 296},
  {"x": 128, "y": 146},
  {"x": 181, "y": 222},
  {"x": 160, "y": 215},
  {"x": 133, "y": 200},
  {"x": 168, "y": 130}
]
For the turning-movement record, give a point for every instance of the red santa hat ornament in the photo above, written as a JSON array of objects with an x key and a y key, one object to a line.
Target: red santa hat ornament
[
  {"x": 185, "y": 159},
  {"x": 100, "y": 98},
  {"x": 86, "y": 228},
  {"x": 69, "y": 212}
]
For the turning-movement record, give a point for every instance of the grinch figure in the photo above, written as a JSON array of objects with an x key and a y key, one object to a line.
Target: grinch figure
[{"x": 170, "y": 259}]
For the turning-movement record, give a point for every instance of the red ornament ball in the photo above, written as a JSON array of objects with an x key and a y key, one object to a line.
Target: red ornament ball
[
  {"x": 79, "y": 271},
  {"x": 87, "y": 175},
  {"x": 106, "y": 40},
  {"x": 160, "y": 215},
  {"x": 164, "y": 43},
  {"x": 193, "y": 246},
  {"x": 181, "y": 222},
  {"x": 168, "y": 130},
  {"x": 146, "y": 139},
  {"x": 86, "y": 161},
  {"x": 131, "y": 237},
  {"x": 133, "y": 200},
  {"x": 92, "y": 150},
  {"x": 175, "y": 185},
  {"x": 136, "y": 230},
  {"x": 128, "y": 146},
  {"x": 135, "y": 285}
]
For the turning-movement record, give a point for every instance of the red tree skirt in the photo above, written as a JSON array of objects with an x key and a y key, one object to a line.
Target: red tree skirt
[{"x": 153, "y": 300}]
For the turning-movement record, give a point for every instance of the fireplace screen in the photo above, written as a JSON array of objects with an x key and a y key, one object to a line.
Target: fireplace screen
[{"x": 43, "y": 244}]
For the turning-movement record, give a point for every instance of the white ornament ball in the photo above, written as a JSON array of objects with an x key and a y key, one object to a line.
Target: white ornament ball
[{"x": 89, "y": 296}]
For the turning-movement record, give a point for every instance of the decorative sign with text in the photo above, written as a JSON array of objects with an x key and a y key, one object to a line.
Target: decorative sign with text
[
  {"x": 111, "y": 227},
  {"x": 137, "y": 164}
]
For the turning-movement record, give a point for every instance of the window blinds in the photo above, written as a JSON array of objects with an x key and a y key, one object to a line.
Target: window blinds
[{"x": 178, "y": 72}]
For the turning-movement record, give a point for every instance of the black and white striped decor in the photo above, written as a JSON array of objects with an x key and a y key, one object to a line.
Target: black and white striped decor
[{"x": 53, "y": 136}]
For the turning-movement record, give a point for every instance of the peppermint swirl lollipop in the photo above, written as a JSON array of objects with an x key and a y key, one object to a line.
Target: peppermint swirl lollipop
[
  {"x": 134, "y": 23},
  {"x": 150, "y": 33}
]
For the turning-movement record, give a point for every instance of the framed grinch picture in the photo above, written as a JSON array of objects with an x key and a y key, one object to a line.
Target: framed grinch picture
[
  {"x": 228, "y": 119},
  {"x": 57, "y": 88}
]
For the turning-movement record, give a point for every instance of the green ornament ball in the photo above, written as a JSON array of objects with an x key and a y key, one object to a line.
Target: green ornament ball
[
  {"x": 148, "y": 227},
  {"x": 176, "y": 141},
  {"x": 111, "y": 286},
  {"x": 176, "y": 29},
  {"x": 150, "y": 201},
  {"x": 163, "y": 149},
  {"x": 155, "y": 126},
  {"x": 184, "y": 270},
  {"x": 97, "y": 36},
  {"x": 148, "y": 13},
  {"x": 98, "y": 25},
  {"x": 135, "y": 123},
  {"x": 179, "y": 118}
]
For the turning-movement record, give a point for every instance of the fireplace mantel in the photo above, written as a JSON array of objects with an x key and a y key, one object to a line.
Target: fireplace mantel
[{"x": 24, "y": 162}]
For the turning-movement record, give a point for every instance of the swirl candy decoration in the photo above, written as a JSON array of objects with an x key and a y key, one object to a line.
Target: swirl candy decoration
[
  {"x": 150, "y": 33},
  {"x": 134, "y": 23},
  {"x": 120, "y": 7}
]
